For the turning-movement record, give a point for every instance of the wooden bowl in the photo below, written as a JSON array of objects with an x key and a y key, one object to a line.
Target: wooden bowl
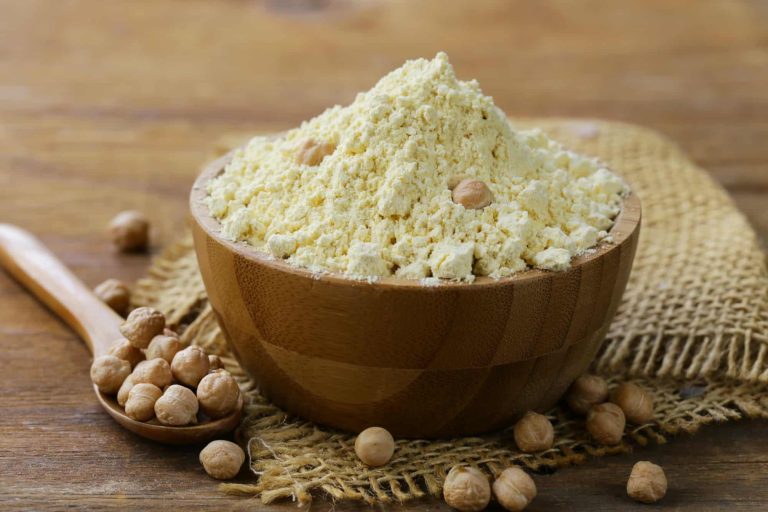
[{"x": 421, "y": 361}]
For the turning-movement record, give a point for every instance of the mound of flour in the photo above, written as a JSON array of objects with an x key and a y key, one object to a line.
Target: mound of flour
[{"x": 364, "y": 190}]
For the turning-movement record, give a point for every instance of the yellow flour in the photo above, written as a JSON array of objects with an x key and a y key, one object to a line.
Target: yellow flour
[{"x": 379, "y": 204}]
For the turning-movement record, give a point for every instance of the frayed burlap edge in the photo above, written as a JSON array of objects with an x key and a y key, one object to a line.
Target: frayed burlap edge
[
  {"x": 295, "y": 458},
  {"x": 692, "y": 329}
]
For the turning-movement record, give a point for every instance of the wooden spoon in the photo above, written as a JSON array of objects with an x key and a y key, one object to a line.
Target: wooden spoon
[{"x": 46, "y": 277}]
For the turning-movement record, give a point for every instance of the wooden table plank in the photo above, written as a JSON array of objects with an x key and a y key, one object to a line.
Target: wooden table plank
[{"x": 113, "y": 105}]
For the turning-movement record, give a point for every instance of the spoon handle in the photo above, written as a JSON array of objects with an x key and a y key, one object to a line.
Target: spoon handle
[{"x": 34, "y": 266}]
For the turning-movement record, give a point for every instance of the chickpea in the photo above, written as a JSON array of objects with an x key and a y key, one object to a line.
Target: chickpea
[
  {"x": 374, "y": 446},
  {"x": 472, "y": 194},
  {"x": 313, "y": 152},
  {"x": 605, "y": 422},
  {"x": 123, "y": 349},
  {"x": 140, "y": 405},
  {"x": 586, "y": 391},
  {"x": 114, "y": 294},
  {"x": 222, "y": 459},
  {"x": 647, "y": 483},
  {"x": 177, "y": 406},
  {"x": 108, "y": 373},
  {"x": 142, "y": 325},
  {"x": 125, "y": 388},
  {"x": 466, "y": 489},
  {"x": 164, "y": 347},
  {"x": 636, "y": 403},
  {"x": 218, "y": 394},
  {"x": 130, "y": 231},
  {"x": 534, "y": 433},
  {"x": 153, "y": 371},
  {"x": 190, "y": 365},
  {"x": 514, "y": 489},
  {"x": 215, "y": 362}
]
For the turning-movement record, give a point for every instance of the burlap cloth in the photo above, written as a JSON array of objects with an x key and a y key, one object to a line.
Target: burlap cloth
[{"x": 692, "y": 328}]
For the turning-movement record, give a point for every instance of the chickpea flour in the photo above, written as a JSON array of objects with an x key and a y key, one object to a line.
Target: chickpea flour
[{"x": 366, "y": 190}]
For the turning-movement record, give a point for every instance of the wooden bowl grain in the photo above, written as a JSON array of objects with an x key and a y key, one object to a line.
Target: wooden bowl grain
[{"x": 421, "y": 361}]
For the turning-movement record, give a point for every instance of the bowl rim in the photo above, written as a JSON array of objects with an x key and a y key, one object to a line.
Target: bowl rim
[{"x": 624, "y": 225}]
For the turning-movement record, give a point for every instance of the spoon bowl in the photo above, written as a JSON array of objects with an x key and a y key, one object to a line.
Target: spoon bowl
[
  {"x": 193, "y": 434},
  {"x": 35, "y": 267}
]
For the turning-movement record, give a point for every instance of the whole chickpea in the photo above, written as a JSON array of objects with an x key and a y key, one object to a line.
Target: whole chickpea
[
  {"x": 108, "y": 373},
  {"x": 142, "y": 325},
  {"x": 164, "y": 347},
  {"x": 124, "y": 350},
  {"x": 222, "y": 459},
  {"x": 605, "y": 422},
  {"x": 312, "y": 152},
  {"x": 190, "y": 365},
  {"x": 153, "y": 371},
  {"x": 374, "y": 446},
  {"x": 472, "y": 194},
  {"x": 115, "y": 294},
  {"x": 534, "y": 433},
  {"x": 466, "y": 489},
  {"x": 125, "y": 388},
  {"x": 215, "y": 362},
  {"x": 130, "y": 231},
  {"x": 177, "y": 407},
  {"x": 141, "y": 401},
  {"x": 586, "y": 391},
  {"x": 636, "y": 403},
  {"x": 514, "y": 489},
  {"x": 647, "y": 483},
  {"x": 218, "y": 394}
]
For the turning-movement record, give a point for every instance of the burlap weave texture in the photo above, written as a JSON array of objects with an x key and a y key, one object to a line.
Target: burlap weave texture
[{"x": 692, "y": 328}]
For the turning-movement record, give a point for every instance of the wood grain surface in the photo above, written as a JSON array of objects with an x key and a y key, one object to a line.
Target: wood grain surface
[{"x": 113, "y": 105}]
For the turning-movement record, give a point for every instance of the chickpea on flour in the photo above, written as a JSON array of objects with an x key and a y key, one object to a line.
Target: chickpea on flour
[{"x": 420, "y": 177}]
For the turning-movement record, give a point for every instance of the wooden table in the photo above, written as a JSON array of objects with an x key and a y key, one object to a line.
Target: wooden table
[{"x": 113, "y": 105}]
